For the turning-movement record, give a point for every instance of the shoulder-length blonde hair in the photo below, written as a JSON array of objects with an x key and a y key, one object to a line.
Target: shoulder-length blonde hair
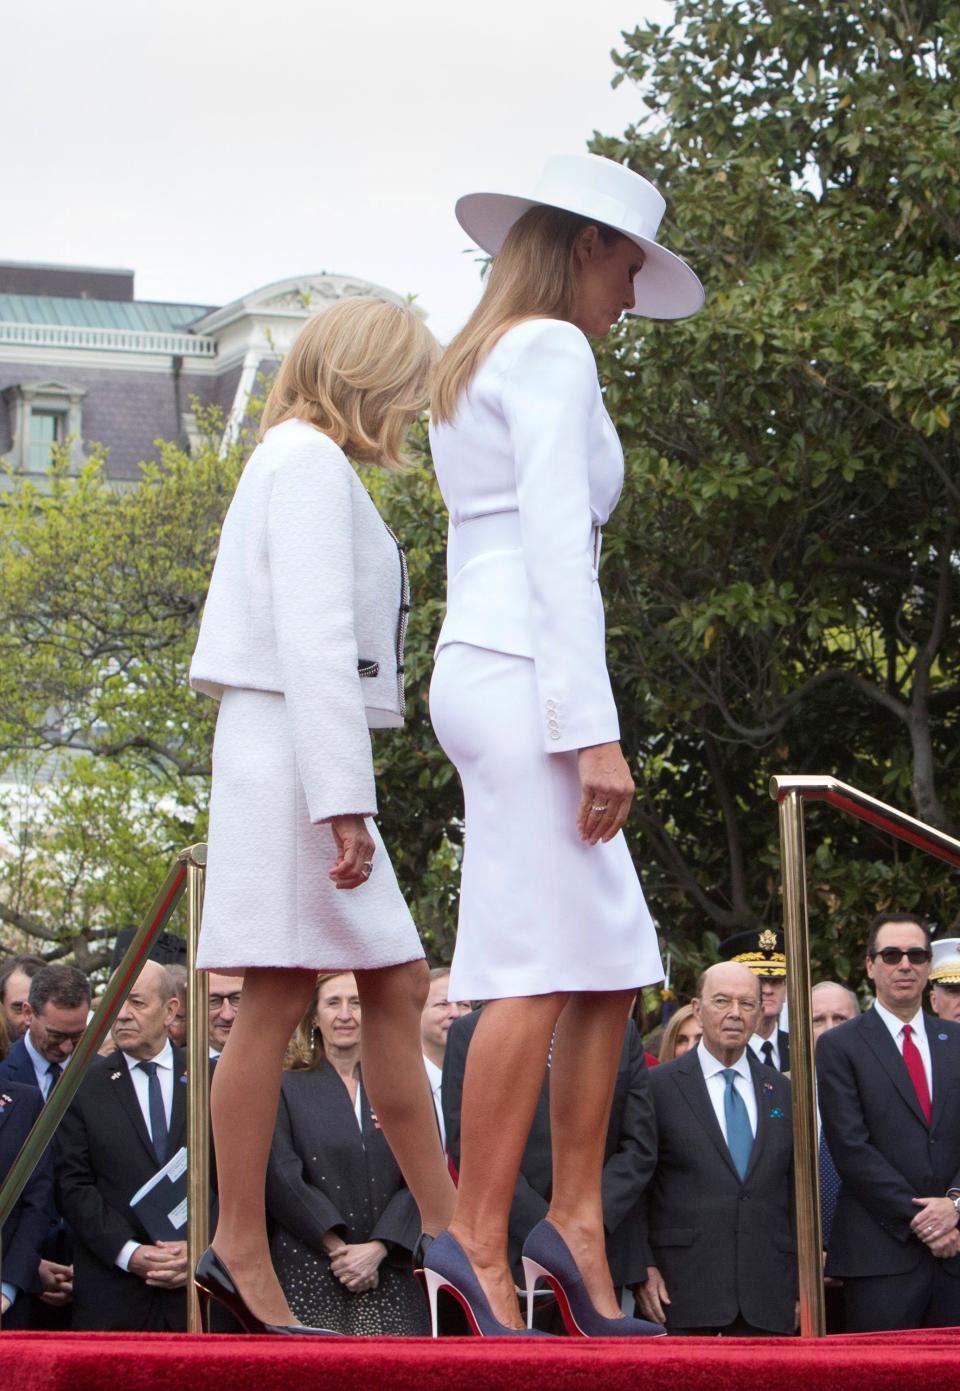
[
  {"x": 360, "y": 372},
  {"x": 305, "y": 1050},
  {"x": 532, "y": 276},
  {"x": 668, "y": 1044}
]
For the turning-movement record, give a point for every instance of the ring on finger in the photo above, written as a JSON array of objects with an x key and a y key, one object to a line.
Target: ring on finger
[
  {"x": 599, "y": 809},
  {"x": 366, "y": 869}
]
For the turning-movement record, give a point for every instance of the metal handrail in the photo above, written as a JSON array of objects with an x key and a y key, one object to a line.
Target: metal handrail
[
  {"x": 186, "y": 873},
  {"x": 790, "y": 792}
]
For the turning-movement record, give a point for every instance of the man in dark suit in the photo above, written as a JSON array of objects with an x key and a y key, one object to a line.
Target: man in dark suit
[
  {"x": 55, "y": 1016},
  {"x": 25, "y": 1230},
  {"x": 628, "y": 1156},
  {"x": 127, "y": 1119},
  {"x": 889, "y": 1089},
  {"x": 762, "y": 952},
  {"x": 722, "y": 1251},
  {"x": 16, "y": 973}
]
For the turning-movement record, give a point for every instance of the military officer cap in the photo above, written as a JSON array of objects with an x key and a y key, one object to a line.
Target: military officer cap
[
  {"x": 760, "y": 950},
  {"x": 945, "y": 967}
]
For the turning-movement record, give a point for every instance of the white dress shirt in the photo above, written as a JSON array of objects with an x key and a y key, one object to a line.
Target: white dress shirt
[
  {"x": 141, "y": 1085},
  {"x": 435, "y": 1078},
  {"x": 895, "y": 1026},
  {"x": 713, "y": 1070},
  {"x": 40, "y": 1065},
  {"x": 756, "y": 1043}
]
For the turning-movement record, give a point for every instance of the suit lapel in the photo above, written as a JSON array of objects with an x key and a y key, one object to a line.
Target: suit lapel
[
  {"x": 943, "y": 1058},
  {"x": 178, "y": 1111},
  {"x": 881, "y": 1041},
  {"x": 689, "y": 1078},
  {"x": 763, "y": 1121},
  {"x": 121, "y": 1086}
]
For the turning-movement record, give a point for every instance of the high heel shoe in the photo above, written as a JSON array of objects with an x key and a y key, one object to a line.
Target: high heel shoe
[
  {"x": 546, "y": 1255},
  {"x": 447, "y": 1267},
  {"x": 213, "y": 1280}
]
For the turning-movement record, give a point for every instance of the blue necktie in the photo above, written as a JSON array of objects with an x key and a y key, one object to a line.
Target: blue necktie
[
  {"x": 54, "y": 1071},
  {"x": 739, "y": 1134},
  {"x": 158, "y": 1116},
  {"x": 829, "y": 1189}
]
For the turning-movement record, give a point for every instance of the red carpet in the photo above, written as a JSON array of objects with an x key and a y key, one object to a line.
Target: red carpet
[{"x": 125, "y": 1362}]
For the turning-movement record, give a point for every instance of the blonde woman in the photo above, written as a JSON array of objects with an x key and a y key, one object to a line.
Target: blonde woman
[
  {"x": 682, "y": 1033},
  {"x": 343, "y": 1224},
  {"x": 554, "y": 931},
  {"x": 302, "y": 644}
]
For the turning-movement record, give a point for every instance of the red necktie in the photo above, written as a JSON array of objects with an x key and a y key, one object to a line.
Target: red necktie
[{"x": 914, "y": 1062}]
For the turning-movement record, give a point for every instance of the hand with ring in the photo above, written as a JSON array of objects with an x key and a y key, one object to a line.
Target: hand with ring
[
  {"x": 606, "y": 792},
  {"x": 355, "y": 847}
]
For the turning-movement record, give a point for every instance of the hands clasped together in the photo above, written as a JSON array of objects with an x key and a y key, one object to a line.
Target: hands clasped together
[
  {"x": 936, "y": 1226},
  {"x": 355, "y": 1265}
]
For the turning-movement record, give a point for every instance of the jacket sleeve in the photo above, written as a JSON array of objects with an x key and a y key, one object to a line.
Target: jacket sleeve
[
  {"x": 290, "y": 1200},
  {"x": 28, "y": 1225},
  {"x": 100, "y": 1226},
  {"x": 310, "y": 549},
  {"x": 630, "y": 1167},
  {"x": 549, "y": 395},
  {"x": 865, "y": 1170}
]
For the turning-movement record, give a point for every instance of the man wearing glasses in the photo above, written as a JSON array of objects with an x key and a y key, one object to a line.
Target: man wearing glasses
[{"x": 889, "y": 1087}]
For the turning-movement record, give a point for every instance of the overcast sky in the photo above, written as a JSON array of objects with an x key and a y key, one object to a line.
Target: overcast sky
[{"x": 215, "y": 147}]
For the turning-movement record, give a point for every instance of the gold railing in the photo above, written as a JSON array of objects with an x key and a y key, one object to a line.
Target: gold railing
[
  {"x": 791, "y": 793},
  {"x": 186, "y": 874}
]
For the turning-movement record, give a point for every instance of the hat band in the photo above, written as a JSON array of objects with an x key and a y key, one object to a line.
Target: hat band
[{"x": 625, "y": 217}]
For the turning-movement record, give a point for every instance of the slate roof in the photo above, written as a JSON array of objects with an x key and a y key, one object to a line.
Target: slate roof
[{"x": 100, "y": 313}]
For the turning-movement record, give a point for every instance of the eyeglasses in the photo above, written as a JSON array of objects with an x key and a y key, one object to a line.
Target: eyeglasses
[
  {"x": 892, "y": 956},
  {"x": 724, "y": 1002},
  {"x": 217, "y": 1002}
]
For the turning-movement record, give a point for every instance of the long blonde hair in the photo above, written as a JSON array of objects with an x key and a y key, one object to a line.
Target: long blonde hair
[
  {"x": 305, "y": 1050},
  {"x": 360, "y": 372},
  {"x": 533, "y": 276}
]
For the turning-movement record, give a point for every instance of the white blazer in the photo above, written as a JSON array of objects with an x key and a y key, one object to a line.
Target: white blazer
[
  {"x": 309, "y": 598},
  {"x": 530, "y": 468}
]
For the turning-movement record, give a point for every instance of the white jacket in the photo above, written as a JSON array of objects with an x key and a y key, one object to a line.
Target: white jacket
[
  {"x": 530, "y": 468},
  {"x": 309, "y": 598}
]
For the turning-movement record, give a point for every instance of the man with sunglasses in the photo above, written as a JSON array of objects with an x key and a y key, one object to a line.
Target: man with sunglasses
[{"x": 889, "y": 1088}]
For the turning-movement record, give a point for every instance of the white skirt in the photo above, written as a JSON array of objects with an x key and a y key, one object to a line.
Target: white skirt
[
  {"x": 269, "y": 900},
  {"x": 540, "y": 910}
]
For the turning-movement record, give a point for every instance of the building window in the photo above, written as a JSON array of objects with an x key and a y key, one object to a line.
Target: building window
[
  {"x": 46, "y": 430},
  {"x": 44, "y": 414}
]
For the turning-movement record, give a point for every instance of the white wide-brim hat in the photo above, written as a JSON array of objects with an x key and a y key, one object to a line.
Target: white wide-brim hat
[{"x": 603, "y": 191}]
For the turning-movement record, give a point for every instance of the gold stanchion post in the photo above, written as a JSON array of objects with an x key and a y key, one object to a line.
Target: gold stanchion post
[
  {"x": 198, "y": 1083},
  {"x": 802, "y": 1076}
]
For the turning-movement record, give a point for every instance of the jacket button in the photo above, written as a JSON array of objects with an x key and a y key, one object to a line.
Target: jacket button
[{"x": 554, "y": 734}]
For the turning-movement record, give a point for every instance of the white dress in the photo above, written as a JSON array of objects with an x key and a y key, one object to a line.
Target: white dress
[
  {"x": 301, "y": 641},
  {"x": 530, "y": 469}
]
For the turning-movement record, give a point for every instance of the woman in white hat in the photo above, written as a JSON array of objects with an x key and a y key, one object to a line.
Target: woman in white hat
[{"x": 554, "y": 931}]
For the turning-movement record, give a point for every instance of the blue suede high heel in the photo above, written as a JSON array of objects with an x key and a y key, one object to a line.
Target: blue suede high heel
[
  {"x": 546, "y": 1255},
  {"x": 447, "y": 1267}
]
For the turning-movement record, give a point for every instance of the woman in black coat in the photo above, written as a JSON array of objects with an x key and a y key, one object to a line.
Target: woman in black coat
[{"x": 343, "y": 1223}]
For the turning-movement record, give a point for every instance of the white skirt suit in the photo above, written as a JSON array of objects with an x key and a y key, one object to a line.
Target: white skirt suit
[
  {"x": 301, "y": 642},
  {"x": 530, "y": 468}
]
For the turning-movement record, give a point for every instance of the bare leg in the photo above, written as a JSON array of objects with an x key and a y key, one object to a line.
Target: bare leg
[
  {"x": 586, "y": 1052},
  {"x": 392, "y": 1000},
  {"x": 504, "y": 1075},
  {"x": 243, "y": 1108}
]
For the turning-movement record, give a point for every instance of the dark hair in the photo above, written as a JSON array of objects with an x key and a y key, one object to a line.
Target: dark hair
[
  {"x": 60, "y": 985},
  {"x": 24, "y": 962},
  {"x": 882, "y": 919}
]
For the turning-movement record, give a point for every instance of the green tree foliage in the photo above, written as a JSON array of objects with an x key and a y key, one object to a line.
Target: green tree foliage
[{"x": 782, "y": 572}]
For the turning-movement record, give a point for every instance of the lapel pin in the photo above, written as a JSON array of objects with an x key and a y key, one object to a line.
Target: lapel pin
[
  {"x": 943, "y": 1037},
  {"x": 768, "y": 1086},
  {"x": 115, "y": 1076},
  {"x": 776, "y": 1114},
  {"x": 183, "y": 1078},
  {"x": 5, "y": 1100}
]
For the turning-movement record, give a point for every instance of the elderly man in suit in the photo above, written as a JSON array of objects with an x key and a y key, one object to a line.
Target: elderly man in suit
[
  {"x": 722, "y": 1252},
  {"x": 889, "y": 1088},
  {"x": 127, "y": 1119},
  {"x": 762, "y": 952},
  {"x": 27, "y": 1227}
]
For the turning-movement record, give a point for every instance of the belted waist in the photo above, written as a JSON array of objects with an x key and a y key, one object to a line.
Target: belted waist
[{"x": 495, "y": 531}]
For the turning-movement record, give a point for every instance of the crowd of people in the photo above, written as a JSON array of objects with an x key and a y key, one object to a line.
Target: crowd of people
[{"x": 698, "y": 1168}]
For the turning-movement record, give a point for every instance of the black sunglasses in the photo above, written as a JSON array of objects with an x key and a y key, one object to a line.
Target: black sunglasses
[{"x": 891, "y": 956}]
